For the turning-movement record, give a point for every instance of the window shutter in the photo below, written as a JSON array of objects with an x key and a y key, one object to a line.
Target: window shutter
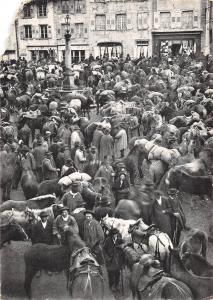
[
  {"x": 113, "y": 23},
  {"x": 196, "y": 19},
  {"x": 178, "y": 19},
  {"x": 21, "y": 32},
  {"x": 156, "y": 20},
  {"x": 33, "y": 32},
  {"x": 59, "y": 9},
  {"x": 92, "y": 24},
  {"x": 37, "y": 33},
  {"x": 139, "y": 22},
  {"x": 86, "y": 34},
  {"x": 145, "y": 18},
  {"x": 47, "y": 8},
  {"x": 129, "y": 24},
  {"x": 84, "y": 8},
  {"x": 72, "y": 31},
  {"x": 32, "y": 9},
  {"x": 59, "y": 31},
  {"x": 108, "y": 25},
  {"x": 49, "y": 32},
  {"x": 173, "y": 20},
  {"x": 72, "y": 8}
]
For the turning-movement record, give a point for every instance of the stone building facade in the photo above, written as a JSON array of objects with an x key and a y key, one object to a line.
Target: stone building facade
[{"x": 112, "y": 27}]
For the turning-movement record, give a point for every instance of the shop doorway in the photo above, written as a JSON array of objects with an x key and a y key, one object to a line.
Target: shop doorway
[{"x": 175, "y": 49}]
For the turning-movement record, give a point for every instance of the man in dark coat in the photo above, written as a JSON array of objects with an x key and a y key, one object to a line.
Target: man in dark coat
[
  {"x": 93, "y": 236},
  {"x": 113, "y": 257},
  {"x": 177, "y": 216},
  {"x": 92, "y": 166},
  {"x": 42, "y": 231},
  {"x": 73, "y": 198},
  {"x": 103, "y": 208}
]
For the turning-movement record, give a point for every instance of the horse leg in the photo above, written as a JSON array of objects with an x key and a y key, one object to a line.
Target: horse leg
[
  {"x": 30, "y": 271},
  {"x": 88, "y": 114}
]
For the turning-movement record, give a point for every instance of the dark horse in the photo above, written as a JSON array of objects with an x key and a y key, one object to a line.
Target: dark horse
[
  {"x": 201, "y": 287},
  {"x": 85, "y": 281},
  {"x": 148, "y": 281},
  {"x": 33, "y": 123},
  {"x": 133, "y": 162}
]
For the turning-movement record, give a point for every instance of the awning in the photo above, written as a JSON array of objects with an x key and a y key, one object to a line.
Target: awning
[
  {"x": 109, "y": 44},
  {"x": 7, "y": 52}
]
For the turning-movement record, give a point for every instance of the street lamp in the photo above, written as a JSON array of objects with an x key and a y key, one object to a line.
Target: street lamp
[{"x": 68, "y": 83}]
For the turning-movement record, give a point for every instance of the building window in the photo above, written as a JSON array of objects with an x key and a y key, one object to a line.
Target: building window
[
  {"x": 100, "y": 22},
  {"x": 79, "y": 30},
  {"x": 165, "y": 20},
  {"x": 78, "y": 4},
  {"x": 27, "y": 11},
  {"x": 65, "y": 6},
  {"x": 28, "y": 31},
  {"x": 142, "y": 48},
  {"x": 42, "y": 10},
  {"x": 43, "y": 32},
  {"x": 121, "y": 22},
  {"x": 187, "y": 19}
]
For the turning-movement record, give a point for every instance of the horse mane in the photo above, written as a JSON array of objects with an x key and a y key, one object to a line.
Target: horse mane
[
  {"x": 74, "y": 240},
  {"x": 198, "y": 257}
]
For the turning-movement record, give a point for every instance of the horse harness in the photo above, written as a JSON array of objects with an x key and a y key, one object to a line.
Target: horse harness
[{"x": 83, "y": 263}]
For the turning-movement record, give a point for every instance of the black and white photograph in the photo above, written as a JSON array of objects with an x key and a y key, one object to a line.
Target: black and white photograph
[{"x": 106, "y": 149}]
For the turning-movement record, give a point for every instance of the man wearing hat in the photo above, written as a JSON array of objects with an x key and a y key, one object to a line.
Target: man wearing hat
[
  {"x": 42, "y": 231},
  {"x": 121, "y": 187},
  {"x": 80, "y": 158},
  {"x": 72, "y": 198},
  {"x": 68, "y": 167},
  {"x": 106, "y": 145},
  {"x": 48, "y": 167},
  {"x": 92, "y": 165},
  {"x": 103, "y": 208},
  {"x": 114, "y": 257},
  {"x": 76, "y": 136},
  {"x": 24, "y": 134},
  {"x": 27, "y": 159},
  {"x": 97, "y": 135},
  {"x": 120, "y": 144},
  {"x": 39, "y": 155},
  {"x": 177, "y": 216},
  {"x": 60, "y": 224},
  {"x": 93, "y": 235}
]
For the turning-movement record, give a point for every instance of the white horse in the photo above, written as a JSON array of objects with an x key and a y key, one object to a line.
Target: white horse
[
  {"x": 120, "y": 224},
  {"x": 157, "y": 243}
]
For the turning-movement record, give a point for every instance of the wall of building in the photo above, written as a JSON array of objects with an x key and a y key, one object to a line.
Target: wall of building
[
  {"x": 137, "y": 29},
  {"x": 143, "y": 26}
]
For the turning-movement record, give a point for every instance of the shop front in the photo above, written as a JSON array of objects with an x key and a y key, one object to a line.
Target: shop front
[
  {"x": 109, "y": 49},
  {"x": 175, "y": 43}
]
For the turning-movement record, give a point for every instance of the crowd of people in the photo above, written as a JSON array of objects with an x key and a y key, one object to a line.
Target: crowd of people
[{"x": 173, "y": 88}]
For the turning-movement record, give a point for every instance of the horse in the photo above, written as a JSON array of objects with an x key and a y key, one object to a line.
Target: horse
[
  {"x": 122, "y": 225},
  {"x": 148, "y": 281},
  {"x": 29, "y": 183},
  {"x": 197, "y": 264},
  {"x": 34, "y": 203},
  {"x": 7, "y": 167},
  {"x": 201, "y": 287},
  {"x": 11, "y": 231},
  {"x": 151, "y": 240},
  {"x": 56, "y": 258},
  {"x": 133, "y": 162},
  {"x": 195, "y": 242}
]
